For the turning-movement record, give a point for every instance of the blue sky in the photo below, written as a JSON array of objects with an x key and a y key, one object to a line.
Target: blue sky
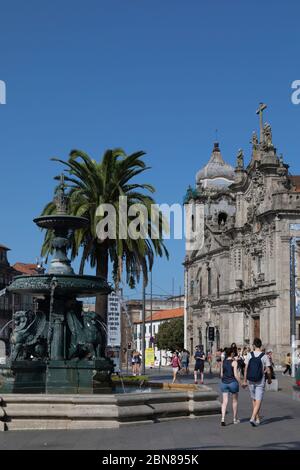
[{"x": 157, "y": 75}]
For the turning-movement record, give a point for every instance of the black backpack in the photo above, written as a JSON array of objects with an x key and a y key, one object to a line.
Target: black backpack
[{"x": 255, "y": 371}]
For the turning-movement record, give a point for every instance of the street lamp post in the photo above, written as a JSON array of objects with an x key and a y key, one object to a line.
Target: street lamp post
[
  {"x": 143, "y": 326},
  {"x": 293, "y": 306},
  {"x": 151, "y": 333}
]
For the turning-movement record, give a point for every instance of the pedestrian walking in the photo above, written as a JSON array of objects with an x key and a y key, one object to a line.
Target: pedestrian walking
[
  {"x": 240, "y": 362},
  {"x": 199, "y": 357},
  {"x": 235, "y": 349},
  {"x": 257, "y": 365},
  {"x": 133, "y": 365},
  {"x": 219, "y": 358},
  {"x": 184, "y": 361},
  {"x": 272, "y": 365},
  {"x": 230, "y": 382},
  {"x": 209, "y": 360},
  {"x": 223, "y": 354},
  {"x": 288, "y": 364},
  {"x": 137, "y": 362},
  {"x": 175, "y": 362}
]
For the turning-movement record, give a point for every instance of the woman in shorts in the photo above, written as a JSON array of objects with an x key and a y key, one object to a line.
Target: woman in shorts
[
  {"x": 230, "y": 382},
  {"x": 175, "y": 365}
]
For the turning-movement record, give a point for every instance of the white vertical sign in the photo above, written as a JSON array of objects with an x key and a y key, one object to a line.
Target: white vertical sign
[{"x": 114, "y": 320}]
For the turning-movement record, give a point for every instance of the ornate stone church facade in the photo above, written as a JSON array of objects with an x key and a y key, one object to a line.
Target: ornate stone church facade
[{"x": 239, "y": 282}]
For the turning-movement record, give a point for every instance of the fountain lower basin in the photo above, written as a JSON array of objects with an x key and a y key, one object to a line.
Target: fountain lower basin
[{"x": 31, "y": 412}]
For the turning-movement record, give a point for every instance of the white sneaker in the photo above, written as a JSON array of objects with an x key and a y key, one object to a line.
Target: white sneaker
[{"x": 236, "y": 421}]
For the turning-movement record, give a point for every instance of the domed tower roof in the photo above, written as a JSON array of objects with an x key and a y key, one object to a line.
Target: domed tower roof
[{"x": 216, "y": 174}]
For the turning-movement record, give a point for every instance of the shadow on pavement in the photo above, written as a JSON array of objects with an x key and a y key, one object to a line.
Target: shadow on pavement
[
  {"x": 275, "y": 419},
  {"x": 293, "y": 445}
]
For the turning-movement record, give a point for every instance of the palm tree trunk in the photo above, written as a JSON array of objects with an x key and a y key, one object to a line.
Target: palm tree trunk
[{"x": 102, "y": 271}]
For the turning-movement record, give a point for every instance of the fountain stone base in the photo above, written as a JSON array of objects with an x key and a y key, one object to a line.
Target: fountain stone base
[
  {"x": 86, "y": 377},
  {"x": 67, "y": 377},
  {"x": 28, "y": 377},
  {"x": 67, "y": 411}
]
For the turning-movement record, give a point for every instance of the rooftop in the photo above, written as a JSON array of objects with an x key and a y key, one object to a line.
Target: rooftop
[
  {"x": 3, "y": 247},
  {"x": 216, "y": 172},
  {"x": 26, "y": 268},
  {"x": 166, "y": 314}
]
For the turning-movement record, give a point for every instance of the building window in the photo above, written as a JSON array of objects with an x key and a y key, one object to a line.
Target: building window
[
  {"x": 200, "y": 287},
  {"x": 222, "y": 218},
  {"x": 192, "y": 288},
  {"x": 218, "y": 286},
  {"x": 209, "y": 281},
  {"x": 193, "y": 223},
  {"x": 259, "y": 264}
]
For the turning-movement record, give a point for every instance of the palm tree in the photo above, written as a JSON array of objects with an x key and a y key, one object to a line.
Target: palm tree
[{"x": 92, "y": 184}]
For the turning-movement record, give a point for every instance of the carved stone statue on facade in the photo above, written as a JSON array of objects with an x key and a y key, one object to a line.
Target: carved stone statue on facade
[
  {"x": 28, "y": 340},
  {"x": 267, "y": 137},
  {"x": 191, "y": 193},
  {"x": 250, "y": 213},
  {"x": 255, "y": 146},
  {"x": 240, "y": 160}
]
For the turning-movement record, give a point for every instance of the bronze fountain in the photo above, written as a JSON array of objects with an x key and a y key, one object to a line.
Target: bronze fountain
[{"x": 57, "y": 347}]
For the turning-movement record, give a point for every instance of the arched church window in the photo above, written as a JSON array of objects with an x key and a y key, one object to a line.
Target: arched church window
[
  {"x": 193, "y": 223},
  {"x": 218, "y": 285},
  {"x": 222, "y": 218},
  {"x": 209, "y": 280},
  {"x": 259, "y": 264}
]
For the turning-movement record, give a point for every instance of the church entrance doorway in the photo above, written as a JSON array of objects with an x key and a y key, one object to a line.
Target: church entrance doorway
[{"x": 256, "y": 327}]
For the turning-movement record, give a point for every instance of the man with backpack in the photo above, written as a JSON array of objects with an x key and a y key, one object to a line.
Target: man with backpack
[{"x": 257, "y": 364}]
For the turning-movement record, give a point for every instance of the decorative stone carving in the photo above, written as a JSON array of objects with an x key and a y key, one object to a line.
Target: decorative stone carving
[
  {"x": 240, "y": 160},
  {"x": 267, "y": 137},
  {"x": 255, "y": 146}
]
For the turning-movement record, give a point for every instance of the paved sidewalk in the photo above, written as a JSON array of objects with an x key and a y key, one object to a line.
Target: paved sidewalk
[{"x": 279, "y": 429}]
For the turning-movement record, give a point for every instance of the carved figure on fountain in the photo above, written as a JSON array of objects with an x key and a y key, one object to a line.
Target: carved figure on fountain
[
  {"x": 28, "y": 339},
  {"x": 87, "y": 335}
]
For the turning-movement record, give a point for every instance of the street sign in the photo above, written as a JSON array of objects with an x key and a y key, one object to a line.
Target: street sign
[
  {"x": 114, "y": 321},
  {"x": 149, "y": 357}
]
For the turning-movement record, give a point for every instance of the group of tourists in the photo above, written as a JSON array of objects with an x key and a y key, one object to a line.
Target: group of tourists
[
  {"x": 180, "y": 363},
  {"x": 244, "y": 367}
]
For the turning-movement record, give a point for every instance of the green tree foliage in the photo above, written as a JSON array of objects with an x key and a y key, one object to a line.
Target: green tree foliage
[
  {"x": 170, "y": 335},
  {"x": 91, "y": 183}
]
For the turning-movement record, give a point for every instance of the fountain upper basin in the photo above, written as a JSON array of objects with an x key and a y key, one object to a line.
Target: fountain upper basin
[
  {"x": 79, "y": 286},
  {"x": 61, "y": 221}
]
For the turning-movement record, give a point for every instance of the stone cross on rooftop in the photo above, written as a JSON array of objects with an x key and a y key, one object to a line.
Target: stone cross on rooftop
[{"x": 259, "y": 111}]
